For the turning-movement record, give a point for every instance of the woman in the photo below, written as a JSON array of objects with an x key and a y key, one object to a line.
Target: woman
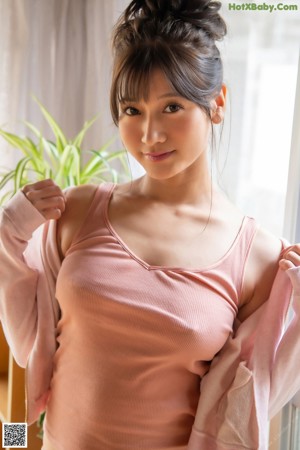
[{"x": 131, "y": 296}]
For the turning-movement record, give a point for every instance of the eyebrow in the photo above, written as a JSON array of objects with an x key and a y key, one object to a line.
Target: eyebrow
[
  {"x": 169, "y": 94},
  {"x": 166, "y": 95}
]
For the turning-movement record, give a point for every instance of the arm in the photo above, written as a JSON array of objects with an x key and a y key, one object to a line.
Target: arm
[
  {"x": 285, "y": 377},
  {"x": 276, "y": 349},
  {"x": 25, "y": 213},
  {"x": 260, "y": 271},
  {"x": 265, "y": 261}
]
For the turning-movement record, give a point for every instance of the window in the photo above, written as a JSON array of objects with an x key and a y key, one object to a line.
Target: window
[{"x": 260, "y": 59}]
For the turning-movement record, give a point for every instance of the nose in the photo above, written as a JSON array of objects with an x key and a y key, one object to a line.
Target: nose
[{"x": 153, "y": 132}]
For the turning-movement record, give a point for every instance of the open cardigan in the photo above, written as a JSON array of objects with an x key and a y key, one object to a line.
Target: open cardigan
[{"x": 250, "y": 379}]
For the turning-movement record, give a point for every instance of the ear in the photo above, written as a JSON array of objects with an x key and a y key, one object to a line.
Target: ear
[{"x": 218, "y": 106}]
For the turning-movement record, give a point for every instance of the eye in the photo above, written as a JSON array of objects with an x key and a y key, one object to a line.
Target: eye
[
  {"x": 173, "y": 107},
  {"x": 130, "y": 111}
]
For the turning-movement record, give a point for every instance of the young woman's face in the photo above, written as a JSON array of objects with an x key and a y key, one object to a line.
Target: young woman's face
[{"x": 167, "y": 134}]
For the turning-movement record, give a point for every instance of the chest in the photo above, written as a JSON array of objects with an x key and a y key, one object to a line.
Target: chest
[{"x": 184, "y": 237}]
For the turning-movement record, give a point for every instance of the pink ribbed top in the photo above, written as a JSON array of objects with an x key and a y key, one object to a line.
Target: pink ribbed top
[{"x": 135, "y": 340}]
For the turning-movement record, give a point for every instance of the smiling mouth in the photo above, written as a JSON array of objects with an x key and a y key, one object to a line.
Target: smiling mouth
[{"x": 158, "y": 156}]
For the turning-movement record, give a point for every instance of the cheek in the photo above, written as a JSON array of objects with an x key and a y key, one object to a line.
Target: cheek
[
  {"x": 128, "y": 132},
  {"x": 202, "y": 126},
  {"x": 193, "y": 130}
]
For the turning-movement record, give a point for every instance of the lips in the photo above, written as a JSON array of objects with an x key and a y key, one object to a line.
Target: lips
[{"x": 158, "y": 156}]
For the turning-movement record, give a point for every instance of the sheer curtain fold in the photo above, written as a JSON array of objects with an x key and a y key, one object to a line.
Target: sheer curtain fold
[
  {"x": 58, "y": 51},
  {"x": 260, "y": 59},
  {"x": 14, "y": 38}
]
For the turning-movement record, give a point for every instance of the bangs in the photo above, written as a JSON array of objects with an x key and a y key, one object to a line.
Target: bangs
[{"x": 132, "y": 83}]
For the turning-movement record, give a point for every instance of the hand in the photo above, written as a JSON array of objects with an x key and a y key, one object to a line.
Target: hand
[
  {"x": 291, "y": 258},
  {"x": 46, "y": 197}
]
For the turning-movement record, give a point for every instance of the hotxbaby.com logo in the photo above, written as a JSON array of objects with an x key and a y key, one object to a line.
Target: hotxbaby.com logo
[{"x": 261, "y": 7}]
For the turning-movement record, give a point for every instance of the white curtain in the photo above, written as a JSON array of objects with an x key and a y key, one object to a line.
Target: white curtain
[
  {"x": 261, "y": 61},
  {"x": 59, "y": 51}
]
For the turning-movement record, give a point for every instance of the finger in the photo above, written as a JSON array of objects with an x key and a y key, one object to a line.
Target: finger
[
  {"x": 50, "y": 203},
  {"x": 293, "y": 257},
  {"x": 51, "y": 191},
  {"x": 294, "y": 248},
  {"x": 38, "y": 185},
  {"x": 285, "y": 264},
  {"x": 52, "y": 214}
]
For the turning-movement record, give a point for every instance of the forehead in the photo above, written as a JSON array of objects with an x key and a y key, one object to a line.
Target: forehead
[
  {"x": 159, "y": 83},
  {"x": 142, "y": 86}
]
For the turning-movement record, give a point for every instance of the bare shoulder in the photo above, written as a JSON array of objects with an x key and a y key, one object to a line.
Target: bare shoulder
[
  {"x": 78, "y": 200},
  {"x": 266, "y": 247},
  {"x": 260, "y": 271}
]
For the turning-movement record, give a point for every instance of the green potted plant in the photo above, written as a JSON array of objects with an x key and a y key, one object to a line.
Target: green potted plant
[{"x": 60, "y": 160}]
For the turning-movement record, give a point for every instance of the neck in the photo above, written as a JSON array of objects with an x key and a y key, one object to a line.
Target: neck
[{"x": 178, "y": 190}]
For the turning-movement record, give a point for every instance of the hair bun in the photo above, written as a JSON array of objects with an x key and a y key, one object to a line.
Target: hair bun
[{"x": 202, "y": 14}]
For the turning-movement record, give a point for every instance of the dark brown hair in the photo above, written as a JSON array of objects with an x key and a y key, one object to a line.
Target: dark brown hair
[{"x": 176, "y": 36}]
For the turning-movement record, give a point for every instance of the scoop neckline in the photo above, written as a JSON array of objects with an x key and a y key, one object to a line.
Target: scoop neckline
[{"x": 151, "y": 267}]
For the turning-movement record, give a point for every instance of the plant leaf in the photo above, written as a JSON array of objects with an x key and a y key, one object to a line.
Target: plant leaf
[
  {"x": 6, "y": 178},
  {"x": 93, "y": 160},
  {"x": 69, "y": 166},
  {"x": 61, "y": 140},
  {"x": 15, "y": 141},
  {"x": 99, "y": 155},
  {"x": 52, "y": 152},
  {"x": 35, "y": 131},
  {"x": 6, "y": 197},
  {"x": 19, "y": 172},
  {"x": 77, "y": 141}
]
